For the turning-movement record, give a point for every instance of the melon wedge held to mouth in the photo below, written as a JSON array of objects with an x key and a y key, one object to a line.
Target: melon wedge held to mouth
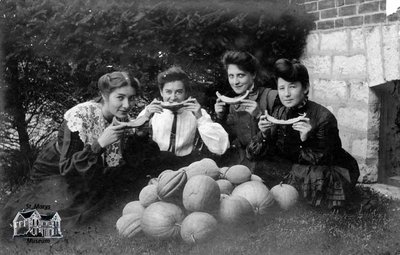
[
  {"x": 132, "y": 123},
  {"x": 282, "y": 122},
  {"x": 232, "y": 100},
  {"x": 172, "y": 106}
]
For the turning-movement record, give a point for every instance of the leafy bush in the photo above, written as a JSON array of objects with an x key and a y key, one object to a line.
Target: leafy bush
[{"x": 55, "y": 50}]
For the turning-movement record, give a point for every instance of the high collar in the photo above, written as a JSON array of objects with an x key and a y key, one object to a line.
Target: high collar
[
  {"x": 254, "y": 93},
  {"x": 299, "y": 109}
]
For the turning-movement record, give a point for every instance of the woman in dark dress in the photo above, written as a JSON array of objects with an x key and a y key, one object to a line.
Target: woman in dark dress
[
  {"x": 240, "y": 120},
  {"x": 91, "y": 160},
  {"x": 310, "y": 149}
]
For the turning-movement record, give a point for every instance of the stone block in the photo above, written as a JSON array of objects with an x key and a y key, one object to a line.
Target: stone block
[
  {"x": 357, "y": 40},
  {"x": 315, "y": 15},
  {"x": 312, "y": 43},
  {"x": 347, "y": 2},
  {"x": 353, "y": 67},
  {"x": 359, "y": 148},
  {"x": 368, "y": 173},
  {"x": 391, "y": 52},
  {"x": 339, "y": 23},
  {"x": 359, "y": 91},
  {"x": 332, "y": 91},
  {"x": 326, "y": 4},
  {"x": 374, "y": 55},
  {"x": 347, "y": 10},
  {"x": 339, "y": 3},
  {"x": 373, "y": 149},
  {"x": 318, "y": 65},
  {"x": 353, "y": 21},
  {"x": 382, "y": 5},
  {"x": 391, "y": 191},
  {"x": 346, "y": 139},
  {"x": 328, "y": 24},
  {"x": 310, "y": 7},
  {"x": 329, "y": 13},
  {"x": 368, "y": 7},
  {"x": 336, "y": 42},
  {"x": 375, "y": 18},
  {"x": 395, "y": 181},
  {"x": 353, "y": 118}
]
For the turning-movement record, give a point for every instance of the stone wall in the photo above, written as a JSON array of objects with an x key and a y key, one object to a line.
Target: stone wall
[{"x": 346, "y": 60}]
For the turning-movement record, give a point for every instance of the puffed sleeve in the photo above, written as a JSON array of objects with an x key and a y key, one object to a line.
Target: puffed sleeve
[
  {"x": 77, "y": 157},
  {"x": 213, "y": 134},
  {"x": 323, "y": 142}
]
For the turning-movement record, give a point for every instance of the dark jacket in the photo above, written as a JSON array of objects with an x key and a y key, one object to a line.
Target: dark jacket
[{"x": 322, "y": 147}]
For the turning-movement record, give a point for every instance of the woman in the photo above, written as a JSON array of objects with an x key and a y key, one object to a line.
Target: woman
[
  {"x": 320, "y": 168},
  {"x": 177, "y": 129},
  {"x": 240, "y": 120},
  {"x": 77, "y": 173}
]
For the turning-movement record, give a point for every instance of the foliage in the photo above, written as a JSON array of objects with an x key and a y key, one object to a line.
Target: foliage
[{"x": 55, "y": 50}]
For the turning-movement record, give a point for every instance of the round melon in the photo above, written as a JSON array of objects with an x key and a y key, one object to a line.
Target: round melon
[
  {"x": 148, "y": 195},
  {"x": 170, "y": 185},
  {"x": 235, "y": 209},
  {"x": 133, "y": 207},
  {"x": 198, "y": 227},
  {"x": 238, "y": 174},
  {"x": 225, "y": 186},
  {"x": 201, "y": 193},
  {"x": 285, "y": 195},
  {"x": 257, "y": 194},
  {"x": 153, "y": 181},
  {"x": 128, "y": 225},
  {"x": 162, "y": 220},
  {"x": 222, "y": 172},
  {"x": 163, "y": 172},
  {"x": 255, "y": 177},
  {"x": 205, "y": 166}
]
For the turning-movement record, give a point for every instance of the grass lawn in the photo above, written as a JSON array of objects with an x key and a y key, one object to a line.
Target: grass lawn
[{"x": 373, "y": 229}]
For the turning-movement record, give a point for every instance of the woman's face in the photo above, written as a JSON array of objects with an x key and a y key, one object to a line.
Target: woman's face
[
  {"x": 173, "y": 91},
  {"x": 120, "y": 101},
  {"x": 291, "y": 94},
  {"x": 239, "y": 80}
]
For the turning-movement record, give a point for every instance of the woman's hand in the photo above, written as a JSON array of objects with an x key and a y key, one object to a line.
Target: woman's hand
[
  {"x": 153, "y": 107},
  {"x": 192, "y": 105},
  {"x": 111, "y": 134},
  {"x": 264, "y": 125},
  {"x": 219, "y": 108},
  {"x": 251, "y": 107},
  {"x": 304, "y": 127}
]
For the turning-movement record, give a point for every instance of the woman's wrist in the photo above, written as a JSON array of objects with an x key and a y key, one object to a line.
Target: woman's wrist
[{"x": 198, "y": 114}]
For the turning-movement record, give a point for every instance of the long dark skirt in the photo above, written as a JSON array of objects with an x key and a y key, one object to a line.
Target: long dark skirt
[
  {"x": 328, "y": 186},
  {"x": 325, "y": 186}
]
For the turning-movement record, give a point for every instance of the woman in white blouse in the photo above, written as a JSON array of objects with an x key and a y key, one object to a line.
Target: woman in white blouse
[{"x": 178, "y": 120}]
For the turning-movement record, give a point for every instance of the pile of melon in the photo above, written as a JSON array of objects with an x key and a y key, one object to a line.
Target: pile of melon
[{"x": 189, "y": 203}]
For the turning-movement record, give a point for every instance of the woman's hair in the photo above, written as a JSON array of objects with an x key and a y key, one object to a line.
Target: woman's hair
[
  {"x": 243, "y": 59},
  {"x": 174, "y": 73},
  {"x": 111, "y": 81},
  {"x": 292, "y": 71}
]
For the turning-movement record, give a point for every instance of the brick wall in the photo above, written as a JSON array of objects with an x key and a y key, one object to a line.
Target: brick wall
[{"x": 330, "y": 14}]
